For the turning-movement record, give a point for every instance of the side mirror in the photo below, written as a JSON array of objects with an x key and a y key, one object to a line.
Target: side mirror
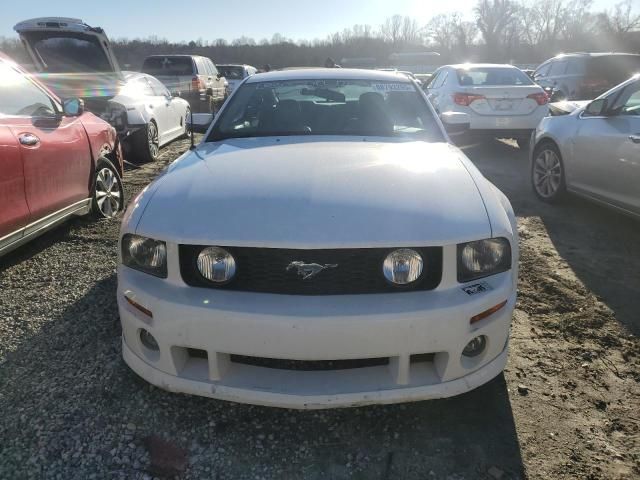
[
  {"x": 201, "y": 122},
  {"x": 455, "y": 123},
  {"x": 597, "y": 107},
  {"x": 73, "y": 107}
]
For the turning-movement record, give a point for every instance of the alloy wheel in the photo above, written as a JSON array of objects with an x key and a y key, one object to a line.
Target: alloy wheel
[
  {"x": 547, "y": 173},
  {"x": 152, "y": 136},
  {"x": 108, "y": 193}
]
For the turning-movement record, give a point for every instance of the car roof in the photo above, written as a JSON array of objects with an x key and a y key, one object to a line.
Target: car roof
[
  {"x": 328, "y": 74},
  {"x": 593, "y": 54},
  {"x": 174, "y": 55},
  {"x": 480, "y": 65}
]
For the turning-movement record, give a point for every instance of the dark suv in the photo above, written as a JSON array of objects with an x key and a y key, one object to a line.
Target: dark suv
[
  {"x": 196, "y": 79},
  {"x": 584, "y": 76}
]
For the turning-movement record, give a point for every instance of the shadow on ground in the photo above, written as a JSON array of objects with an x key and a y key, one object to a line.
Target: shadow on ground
[
  {"x": 600, "y": 245},
  {"x": 87, "y": 412}
]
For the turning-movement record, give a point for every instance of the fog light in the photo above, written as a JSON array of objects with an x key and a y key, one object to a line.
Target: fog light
[
  {"x": 148, "y": 340},
  {"x": 475, "y": 347}
]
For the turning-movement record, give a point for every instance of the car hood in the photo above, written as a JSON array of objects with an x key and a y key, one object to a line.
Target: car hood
[
  {"x": 305, "y": 193},
  {"x": 69, "y": 62}
]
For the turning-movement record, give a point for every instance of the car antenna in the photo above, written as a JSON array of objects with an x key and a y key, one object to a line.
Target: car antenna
[{"x": 193, "y": 145}]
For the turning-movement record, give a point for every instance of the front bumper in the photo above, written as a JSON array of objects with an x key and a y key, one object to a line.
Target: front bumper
[{"x": 397, "y": 326}]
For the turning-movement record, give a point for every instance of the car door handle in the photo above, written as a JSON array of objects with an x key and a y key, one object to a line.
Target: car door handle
[
  {"x": 635, "y": 138},
  {"x": 28, "y": 139}
]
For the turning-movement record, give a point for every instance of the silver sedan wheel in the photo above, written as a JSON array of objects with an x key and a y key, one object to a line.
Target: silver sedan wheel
[
  {"x": 108, "y": 193},
  {"x": 547, "y": 173},
  {"x": 152, "y": 136}
]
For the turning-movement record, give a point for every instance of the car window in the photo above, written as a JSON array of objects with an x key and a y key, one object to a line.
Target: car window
[
  {"x": 628, "y": 102},
  {"x": 479, "y": 76},
  {"x": 62, "y": 54},
  {"x": 439, "y": 80},
  {"x": 576, "y": 66},
  {"x": 543, "y": 70},
  {"x": 171, "y": 66},
  {"x": 214, "y": 70},
  {"x": 201, "y": 69},
  {"x": 158, "y": 87},
  {"x": 231, "y": 72},
  {"x": 558, "y": 67},
  {"x": 327, "y": 107},
  {"x": 18, "y": 96},
  {"x": 614, "y": 69}
]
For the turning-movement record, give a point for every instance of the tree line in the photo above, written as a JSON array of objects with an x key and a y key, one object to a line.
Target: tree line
[{"x": 517, "y": 31}]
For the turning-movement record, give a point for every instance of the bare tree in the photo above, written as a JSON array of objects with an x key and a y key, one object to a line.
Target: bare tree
[
  {"x": 621, "y": 20},
  {"x": 495, "y": 19},
  {"x": 392, "y": 29},
  {"x": 410, "y": 34},
  {"x": 441, "y": 30}
]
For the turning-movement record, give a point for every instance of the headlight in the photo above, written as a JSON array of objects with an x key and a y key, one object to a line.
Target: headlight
[
  {"x": 145, "y": 254},
  {"x": 216, "y": 265},
  {"x": 403, "y": 266},
  {"x": 483, "y": 258}
]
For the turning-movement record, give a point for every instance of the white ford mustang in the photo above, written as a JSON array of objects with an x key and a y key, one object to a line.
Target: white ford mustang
[{"x": 324, "y": 246}]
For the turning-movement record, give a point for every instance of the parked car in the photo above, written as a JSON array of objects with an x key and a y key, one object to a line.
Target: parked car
[
  {"x": 194, "y": 77},
  {"x": 235, "y": 74},
  {"x": 501, "y": 100},
  {"x": 584, "y": 76},
  {"x": 594, "y": 151},
  {"x": 324, "y": 245},
  {"x": 57, "y": 161},
  {"x": 76, "y": 61}
]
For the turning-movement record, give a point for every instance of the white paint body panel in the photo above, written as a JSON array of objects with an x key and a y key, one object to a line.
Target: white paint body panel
[{"x": 310, "y": 193}]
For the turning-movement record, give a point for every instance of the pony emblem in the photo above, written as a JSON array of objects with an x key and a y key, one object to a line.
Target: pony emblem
[{"x": 309, "y": 270}]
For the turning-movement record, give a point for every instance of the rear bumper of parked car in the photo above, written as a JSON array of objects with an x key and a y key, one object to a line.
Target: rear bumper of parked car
[
  {"x": 199, "y": 101},
  {"x": 506, "y": 125},
  {"x": 256, "y": 348}
]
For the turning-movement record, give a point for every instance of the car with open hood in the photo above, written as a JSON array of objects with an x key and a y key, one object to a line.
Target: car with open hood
[
  {"x": 56, "y": 160},
  {"x": 76, "y": 60},
  {"x": 324, "y": 245}
]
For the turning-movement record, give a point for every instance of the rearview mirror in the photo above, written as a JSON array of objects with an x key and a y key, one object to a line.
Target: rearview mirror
[
  {"x": 73, "y": 107},
  {"x": 597, "y": 107},
  {"x": 455, "y": 123}
]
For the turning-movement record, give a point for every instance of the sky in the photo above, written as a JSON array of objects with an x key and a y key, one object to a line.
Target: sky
[{"x": 209, "y": 20}]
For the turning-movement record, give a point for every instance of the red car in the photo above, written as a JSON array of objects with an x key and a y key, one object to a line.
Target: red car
[{"x": 56, "y": 160}]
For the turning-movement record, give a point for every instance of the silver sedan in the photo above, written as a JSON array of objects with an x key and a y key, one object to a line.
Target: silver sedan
[{"x": 593, "y": 151}]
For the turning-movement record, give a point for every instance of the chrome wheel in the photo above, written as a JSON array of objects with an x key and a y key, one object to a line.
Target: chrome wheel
[
  {"x": 152, "y": 138},
  {"x": 108, "y": 193},
  {"x": 547, "y": 173}
]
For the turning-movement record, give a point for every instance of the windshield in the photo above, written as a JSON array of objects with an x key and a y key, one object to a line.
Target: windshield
[
  {"x": 62, "y": 54},
  {"x": 172, "y": 66},
  {"x": 327, "y": 107},
  {"x": 492, "y": 76},
  {"x": 231, "y": 72}
]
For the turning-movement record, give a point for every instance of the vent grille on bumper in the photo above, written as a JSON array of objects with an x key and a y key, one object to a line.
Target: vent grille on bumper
[{"x": 264, "y": 270}]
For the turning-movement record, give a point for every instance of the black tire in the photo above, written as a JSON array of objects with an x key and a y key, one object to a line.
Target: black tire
[
  {"x": 187, "y": 129},
  {"x": 108, "y": 192},
  {"x": 547, "y": 173},
  {"x": 523, "y": 143},
  {"x": 146, "y": 146}
]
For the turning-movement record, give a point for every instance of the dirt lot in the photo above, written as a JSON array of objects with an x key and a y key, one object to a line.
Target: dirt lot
[{"x": 568, "y": 405}]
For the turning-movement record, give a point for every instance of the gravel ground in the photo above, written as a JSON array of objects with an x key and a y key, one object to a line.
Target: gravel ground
[{"x": 568, "y": 405}]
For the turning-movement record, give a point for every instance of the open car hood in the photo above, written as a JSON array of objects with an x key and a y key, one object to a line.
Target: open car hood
[
  {"x": 72, "y": 58},
  {"x": 566, "y": 107}
]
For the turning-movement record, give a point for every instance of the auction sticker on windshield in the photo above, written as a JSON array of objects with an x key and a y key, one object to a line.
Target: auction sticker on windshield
[{"x": 393, "y": 87}]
